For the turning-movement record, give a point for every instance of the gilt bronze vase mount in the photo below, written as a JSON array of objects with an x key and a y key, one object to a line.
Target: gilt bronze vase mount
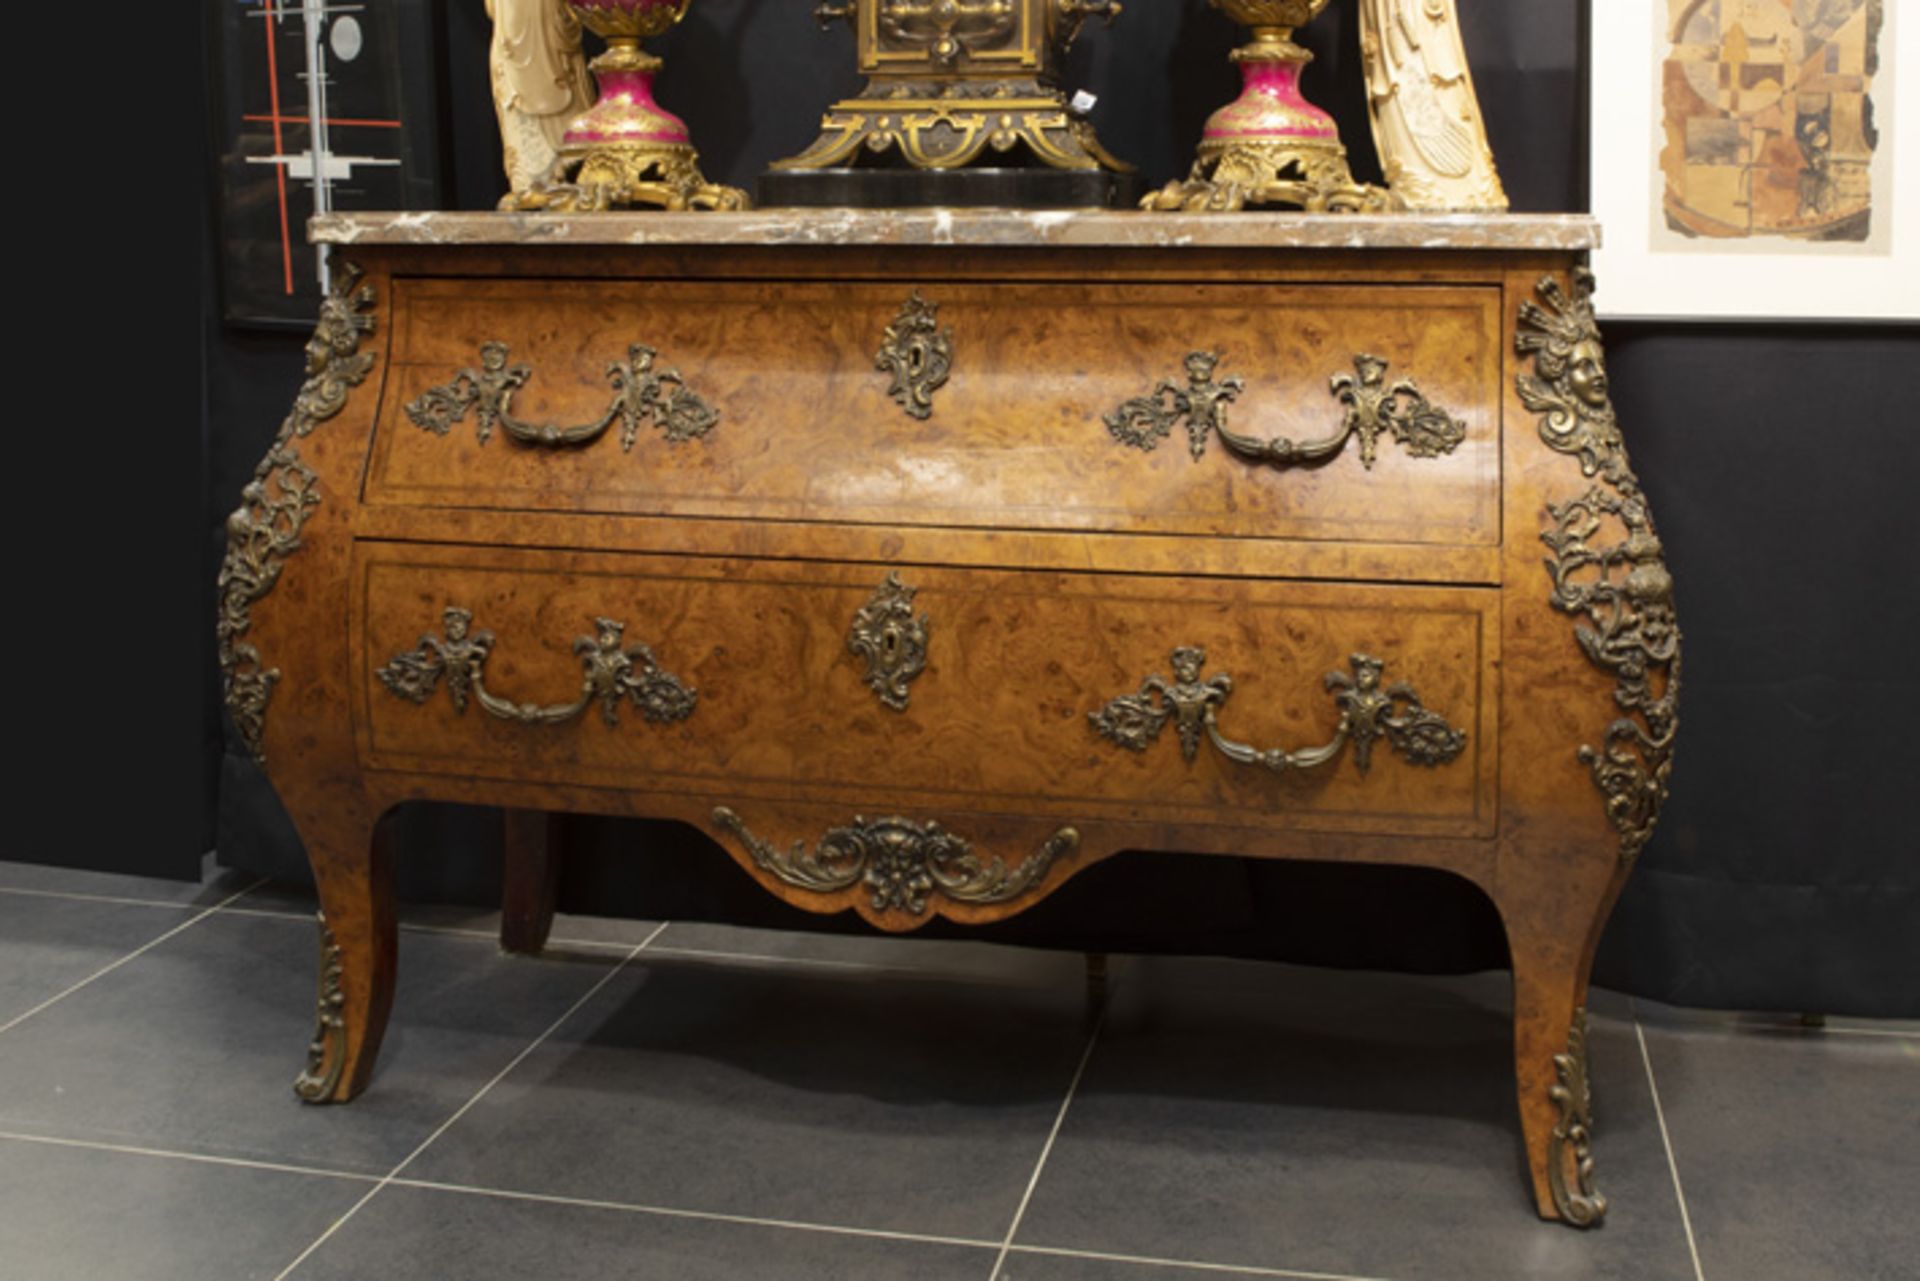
[
  {"x": 963, "y": 106},
  {"x": 626, "y": 149},
  {"x": 1270, "y": 146}
]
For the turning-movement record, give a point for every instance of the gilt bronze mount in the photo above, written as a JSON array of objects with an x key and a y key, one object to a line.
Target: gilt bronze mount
[
  {"x": 1270, "y": 146},
  {"x": 892, "y": 640},
  {"x": 627, "y": 150},
  {"x": 1570, "y": 1146},
  {"x": 611, "y": 674},
  {"x": 902, "y": 864},
  {"x": 327, "y": 1052},
  {"x": 1374, "y": 407},
  {"x": 1619, "y": 592},
  {"x": 1368, "y": 713},
  {"x": 918, "y": 354},
  {"x": 641, "y": 393},
  {"x": 963, "y": 106},
  {"x": 281, "y": 497}
]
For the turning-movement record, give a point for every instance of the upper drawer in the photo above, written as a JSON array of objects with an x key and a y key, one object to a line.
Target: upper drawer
[{"x": 1018, "y": 437}]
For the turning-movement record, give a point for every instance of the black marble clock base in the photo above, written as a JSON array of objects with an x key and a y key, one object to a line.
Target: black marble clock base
[{"x": 953, "y": 188}]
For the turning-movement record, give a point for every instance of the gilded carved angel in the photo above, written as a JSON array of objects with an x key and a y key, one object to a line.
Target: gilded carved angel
[
  {"x": 1426, "y": 117},
  {"x": 540, "y": 83}
]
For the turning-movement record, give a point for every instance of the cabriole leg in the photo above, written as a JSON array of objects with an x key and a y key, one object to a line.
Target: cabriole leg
[
  {"x": 1550, "y": 1062},
  {"x": 353, "y": 867}
]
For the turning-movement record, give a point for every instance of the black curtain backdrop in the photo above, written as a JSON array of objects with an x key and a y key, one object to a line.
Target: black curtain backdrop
[{"x": 1780, "y": 460}]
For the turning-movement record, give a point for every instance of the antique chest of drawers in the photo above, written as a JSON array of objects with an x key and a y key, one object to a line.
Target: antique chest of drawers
[{"x": 925, "y": 559}]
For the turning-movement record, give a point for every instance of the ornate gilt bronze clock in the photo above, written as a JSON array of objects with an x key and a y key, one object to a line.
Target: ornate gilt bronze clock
[{"x": 963, "y": 105}]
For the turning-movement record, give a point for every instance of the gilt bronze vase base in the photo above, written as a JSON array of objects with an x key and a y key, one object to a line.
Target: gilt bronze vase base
[
  {"x": 626, "y": 177},
  {"x": 930, "y": 124},
  {"x": 1312, "y": 176},
  {"x": 952, "y": 188},
  {"x": 1271, "y": 146}
]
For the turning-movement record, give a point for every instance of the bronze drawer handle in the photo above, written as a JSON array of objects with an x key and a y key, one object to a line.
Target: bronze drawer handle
[
  {"x": 1367, "y": 713},
  {"x": 609, "y": 675},
  {"x": 640, "y": 392},
  {"x": 900, "y": 861},
  {"x": 1373, "y": 407}
]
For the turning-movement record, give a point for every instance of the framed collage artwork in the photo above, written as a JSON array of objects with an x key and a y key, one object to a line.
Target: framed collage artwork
[{"x": 1756, "y": 159}]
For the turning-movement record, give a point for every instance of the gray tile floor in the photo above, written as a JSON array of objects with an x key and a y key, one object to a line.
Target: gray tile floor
[{"x": 691, "y": 1101}]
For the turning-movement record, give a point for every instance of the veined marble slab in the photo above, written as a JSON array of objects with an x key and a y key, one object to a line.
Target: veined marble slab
[{"x": 1011, "y": 228}]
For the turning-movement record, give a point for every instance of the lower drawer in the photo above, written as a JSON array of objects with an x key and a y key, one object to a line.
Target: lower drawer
[{"x": 1327, "y": 707}]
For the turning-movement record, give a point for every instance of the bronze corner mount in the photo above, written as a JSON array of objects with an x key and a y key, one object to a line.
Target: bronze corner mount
[
  {"x": 264, "y": 531},
  {"x": 1619, "y": 592}
]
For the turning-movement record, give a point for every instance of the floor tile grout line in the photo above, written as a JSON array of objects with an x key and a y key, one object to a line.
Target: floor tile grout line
[
  {"x": 226, "y": 904},
  {"x": 711, "y": 1216},
  {"x": 670, "y": 1212},
  {"x": 417, "y": 927},
  {"x": 658, "y": 1211},
  {"x": 510, "y": 1194},
  {"x": 466, "y": 1107},
  {"x": 144, "y": 948},
  {"x": 947, "y": 974},
  {"x": 225, "y": 908},
  {"x": 1666, "y": 1140},
  {"x": 1192, "y": 1265},
  {"x": 764, "y": 958},
  {"x": 1780, "y": 1028},
  {"x": 1046, "y": 1150},
  {"x": 455, "y": 931},
  {"x": 202, "y": 1158},
  {"x": 118, "y": 900}
]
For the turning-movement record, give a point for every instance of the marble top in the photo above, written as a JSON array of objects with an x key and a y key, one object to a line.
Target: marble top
[{"x": 1009, "y": 228}]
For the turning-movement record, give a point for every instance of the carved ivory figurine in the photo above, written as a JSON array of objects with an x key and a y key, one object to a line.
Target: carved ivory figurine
[
  {"x": 540, "y": 83},
  {"x": 1426, "y": 116}
]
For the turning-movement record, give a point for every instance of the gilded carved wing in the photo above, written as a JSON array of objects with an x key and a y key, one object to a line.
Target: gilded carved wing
[
  {"x": 541, "y": 66},
  {"x": 1420, "y": 73},
  {"x": 1426, "y": 116},
  {"x": 540, "y": 82}
]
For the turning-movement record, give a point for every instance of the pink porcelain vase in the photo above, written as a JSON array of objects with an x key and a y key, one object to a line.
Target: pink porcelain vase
[
  {"x": 626, "y": 111},
  {"x": 627, "y": 150}
]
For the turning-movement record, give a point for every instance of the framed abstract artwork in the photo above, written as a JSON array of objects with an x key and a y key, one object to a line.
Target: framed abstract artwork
[
  {"x": 318, "y": 105},
  {"x": 1756, "y": 159}
]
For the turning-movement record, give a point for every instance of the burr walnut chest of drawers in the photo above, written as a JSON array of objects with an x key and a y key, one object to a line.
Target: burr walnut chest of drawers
[{"x": 925, "y": 559}]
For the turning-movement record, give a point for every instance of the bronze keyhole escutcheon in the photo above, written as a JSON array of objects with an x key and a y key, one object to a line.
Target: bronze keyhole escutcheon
[{"x": 893, "y": 641}]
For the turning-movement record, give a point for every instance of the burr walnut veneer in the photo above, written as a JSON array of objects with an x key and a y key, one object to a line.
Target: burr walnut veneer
[{"x": 924, "y": 560}]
